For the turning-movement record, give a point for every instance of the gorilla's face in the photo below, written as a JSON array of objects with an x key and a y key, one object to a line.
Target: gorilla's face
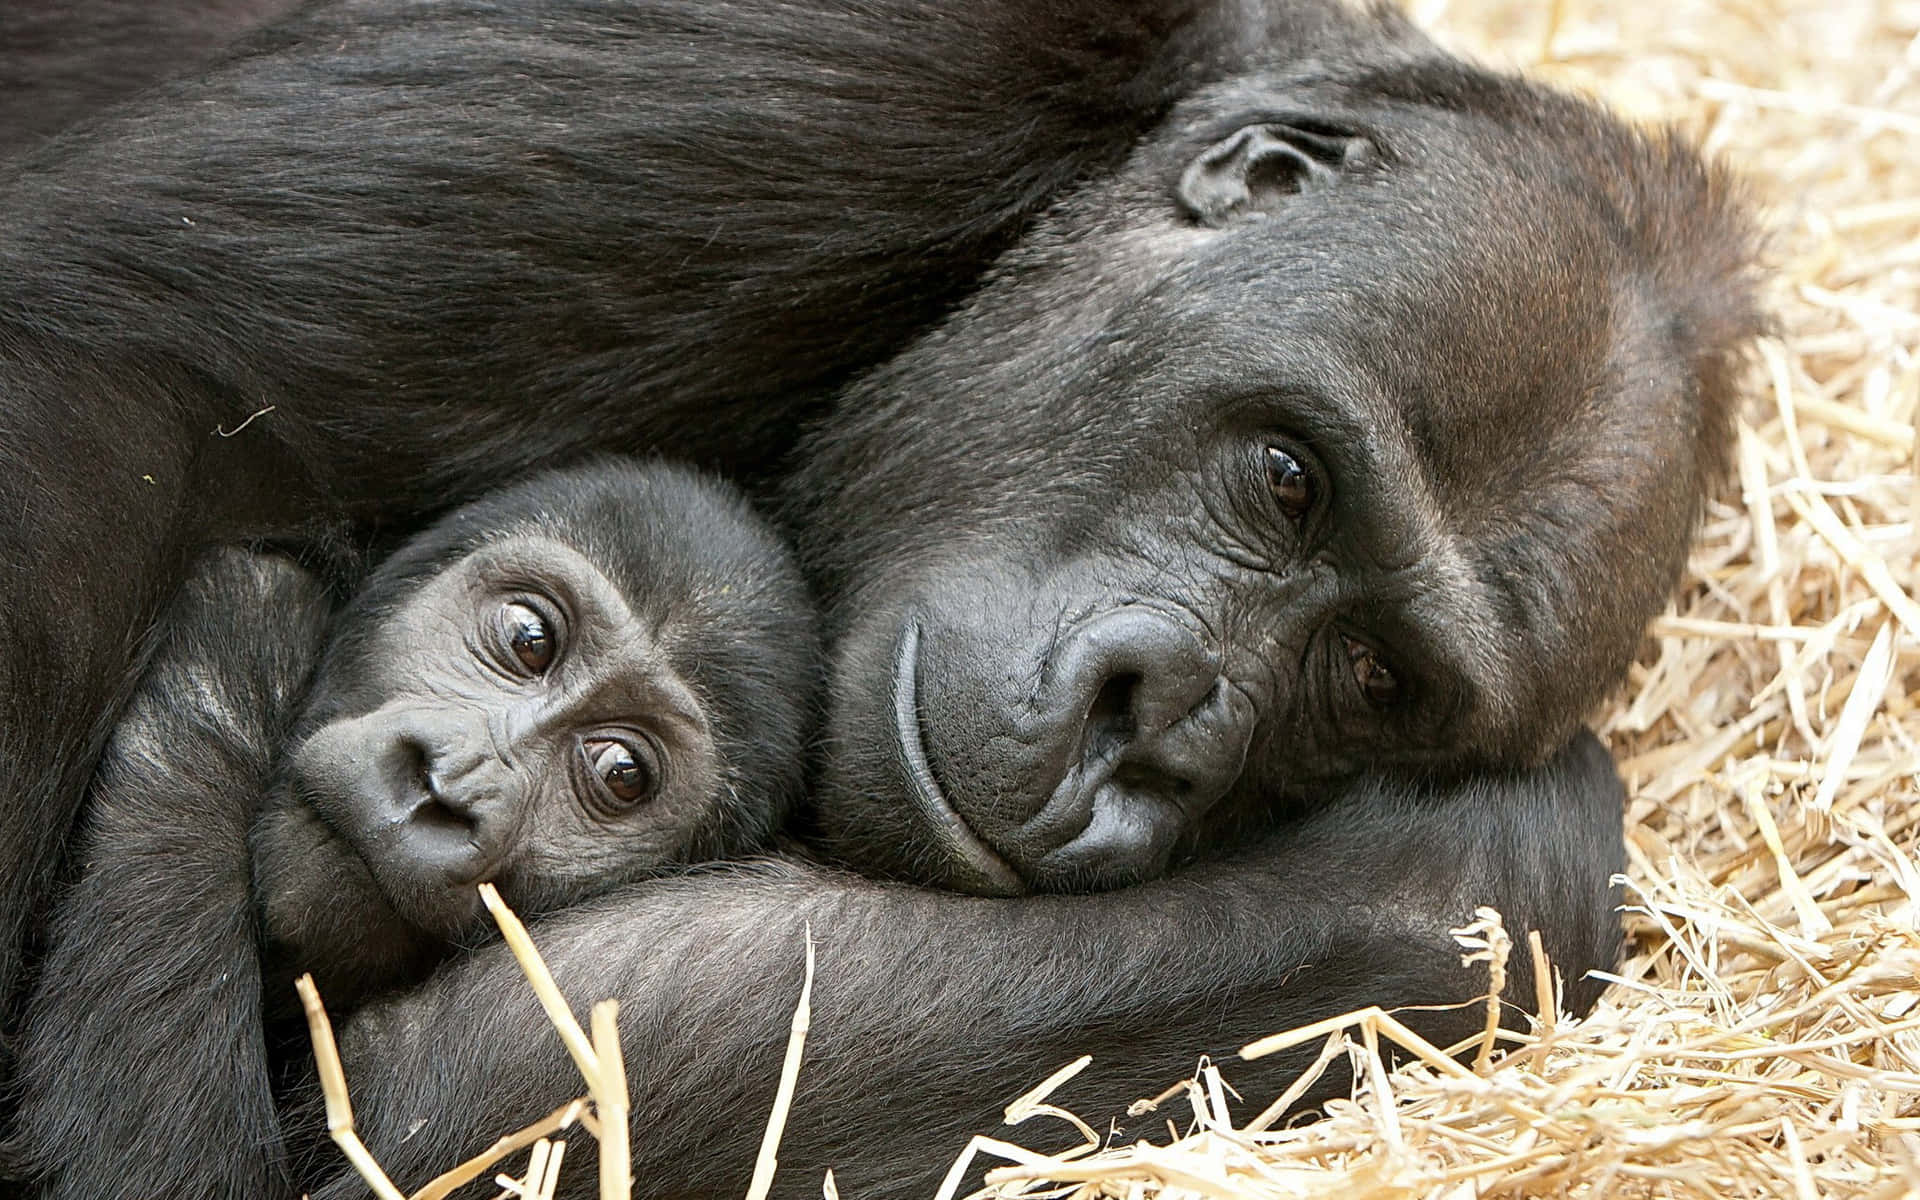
[
  {"x": 572, "y": 683},
  {"x": 511, "y": 720},
  {"x": 1330, "y": 436}
]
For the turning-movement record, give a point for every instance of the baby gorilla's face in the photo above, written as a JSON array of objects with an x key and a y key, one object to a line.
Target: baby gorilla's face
[
  {"x": 577, "y": 681},
  {"x": 513, "y": 721}
]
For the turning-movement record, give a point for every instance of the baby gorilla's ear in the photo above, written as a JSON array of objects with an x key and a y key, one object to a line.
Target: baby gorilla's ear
[{"x": 1254, "y": 169}]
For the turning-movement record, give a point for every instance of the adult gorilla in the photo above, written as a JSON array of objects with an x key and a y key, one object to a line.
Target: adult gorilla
[
  {"x": 1233, "y": 481},
  {"x": 1359, "y": 419},
  {"x": 447, "y": 242}
]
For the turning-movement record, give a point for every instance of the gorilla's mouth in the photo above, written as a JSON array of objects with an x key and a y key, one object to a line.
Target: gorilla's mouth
[
  {"x": 973, "y": 865},
  {"x": 369, "y": 873}
]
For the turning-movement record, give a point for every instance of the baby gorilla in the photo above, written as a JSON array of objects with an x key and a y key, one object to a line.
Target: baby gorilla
[
  {"x": 566, "y": 686},
  {"x": 572, "y": 683}
]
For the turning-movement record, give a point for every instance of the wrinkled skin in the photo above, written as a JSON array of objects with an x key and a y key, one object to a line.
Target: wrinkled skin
[{"x": 1145, "y": 633}]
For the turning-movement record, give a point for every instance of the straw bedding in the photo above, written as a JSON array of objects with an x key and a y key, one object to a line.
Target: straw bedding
[{"x": 1763, "y": 1038}]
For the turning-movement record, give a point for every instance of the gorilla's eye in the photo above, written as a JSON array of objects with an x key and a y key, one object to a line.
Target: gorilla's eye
[
  {"x": 528, "y": 637},
  {"x": 1288, "y": 480},
  {"x": 625, "y": 768},
  {"x": 1377, "y": 681}
]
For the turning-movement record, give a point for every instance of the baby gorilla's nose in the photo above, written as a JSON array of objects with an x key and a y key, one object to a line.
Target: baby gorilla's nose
[
  {"x": 449, "y": 827},
  {"x": 431, "y": 822}
]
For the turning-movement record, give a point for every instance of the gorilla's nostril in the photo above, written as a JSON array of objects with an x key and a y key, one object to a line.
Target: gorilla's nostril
[
  {"x": 1109, "y": 720},
  {"x": 1113, "y": 699},
  {"x": 416, "y": 766}
]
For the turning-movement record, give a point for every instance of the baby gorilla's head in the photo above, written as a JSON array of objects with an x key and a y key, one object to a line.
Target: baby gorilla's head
[{"x": 572, "y": 683}]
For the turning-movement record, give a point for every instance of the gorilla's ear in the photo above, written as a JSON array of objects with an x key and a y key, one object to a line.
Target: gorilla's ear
[{"x": 1256, "y": 166}]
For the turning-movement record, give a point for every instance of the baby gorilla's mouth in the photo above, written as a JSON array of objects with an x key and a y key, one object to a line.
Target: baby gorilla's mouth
[
  {"x": 362, "y": 809},
  {"x": 974, "y": 866}
]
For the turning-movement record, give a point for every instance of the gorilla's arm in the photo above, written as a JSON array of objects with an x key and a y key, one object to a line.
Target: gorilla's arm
[
  {"x": 143, "y": 1069},
  {"x": 930, "y": 1011},
  {"x": 424, "y": 246}
]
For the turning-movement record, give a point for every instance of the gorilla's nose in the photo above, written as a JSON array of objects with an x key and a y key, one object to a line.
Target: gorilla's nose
[
  {"x": 1157, "y": 735},
  {"x": 1129, "y": 736},
  {"x": 1129, "y": 676},
  {"x": 441, "y": 826}
]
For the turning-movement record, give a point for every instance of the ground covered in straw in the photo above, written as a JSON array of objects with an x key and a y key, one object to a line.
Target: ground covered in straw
[{"x": 1764, "y": 1037}]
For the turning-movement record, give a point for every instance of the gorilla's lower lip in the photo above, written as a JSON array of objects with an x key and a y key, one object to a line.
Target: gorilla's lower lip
[
  {"x": 443, "y": 916},
  {"x": 975, "y": 865}
]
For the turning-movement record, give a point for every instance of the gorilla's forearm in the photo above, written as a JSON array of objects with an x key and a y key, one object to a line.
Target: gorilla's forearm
[
  {"x": 144, "y": 1068},
  {"x": 931, "y": 1011}
]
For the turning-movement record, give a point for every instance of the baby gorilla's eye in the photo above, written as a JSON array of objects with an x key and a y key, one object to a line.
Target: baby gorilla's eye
[
  {"x": 529, "y": 637},
  {"x": 1377, "y": 681},
  {"x": 1288, "y": 480},
  {"x": 626, "y": 769}
]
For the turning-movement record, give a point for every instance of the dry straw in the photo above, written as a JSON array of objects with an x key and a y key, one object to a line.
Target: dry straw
[{"x": 1763, "y": 1040}]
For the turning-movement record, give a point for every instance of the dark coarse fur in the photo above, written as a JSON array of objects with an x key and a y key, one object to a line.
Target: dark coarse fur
[
  {"x": 144, "y": 1041},
  {"x": 1080, "y": 636},
  {"x": 67, "y": 59},
  {"x": 932, "y": 1011},
  {"x": 147, "y": 1068},
  {"x": 446, "y": 242}
]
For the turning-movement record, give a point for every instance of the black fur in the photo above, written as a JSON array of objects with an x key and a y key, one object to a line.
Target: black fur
[
  {"x": 146, "y": 1040},
  {"x": 1082, "y": 631},
  {"x": 932, "y": 1011},
  {"x": 65, "y": 60}
]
